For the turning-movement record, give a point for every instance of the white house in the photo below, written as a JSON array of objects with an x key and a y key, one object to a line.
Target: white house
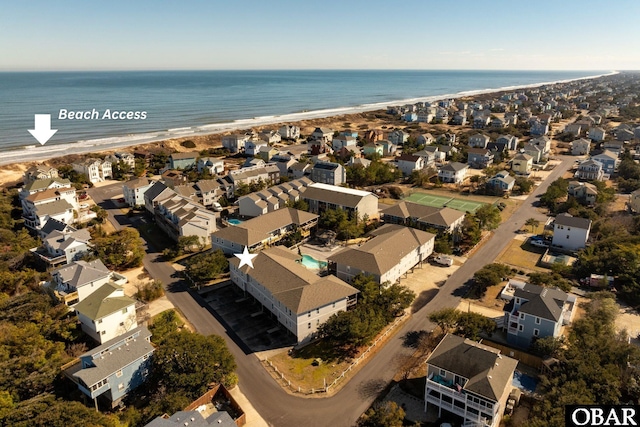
[
  {"x": 289, "y": 132},
  {"x": 79, "y": 279},
  {"x": 126, "y": 158},
  {"x": 597, "y": 134},
  {"x": 63, "y": 246},
  {"x": 580, "y": 147},
  {"x": 214, "y": 165},
  {"x": 235, "y": 142},
  {"x": 392, "y": 252},
  {"x": 409, "y": 163},
  {"x": 58, "y": 204},
  {"x": 134, "y": 189},
  {"x": 298, "y": 298},
  {"x": 343, "y": 141},
  {"x": 106, "y": 313},
  {"x": 453, "y": 172},
  {"x": 252, "y": 147},
  {"x": 356, "y": 202},
  {"x": 570, "y": 233},
  {"x": 479, "y": 141},
  {"x": 37, "y": 172},
  {"x": 96, "y": 170}
]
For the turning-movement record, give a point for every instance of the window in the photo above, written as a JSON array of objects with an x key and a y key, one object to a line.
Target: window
[
  {"x": 103, "y": 332},
  {"x": 443, "y": 373},
  {"x": 567, "y": 236},
  {"x": 536, "y": 332},
  {"x": 121, "y": 323},
  {"x": 522, "y": 315},
  {"x": 521, "y": 328},
  {"x": 537, "y": 320},
  {"x": 309, "y": 314},
  {"x": 124, "y": 310},
  {"x": 119, "y": 373},
  {"x": 309, "y": 325},
  {"x": 120, "y": 386}
]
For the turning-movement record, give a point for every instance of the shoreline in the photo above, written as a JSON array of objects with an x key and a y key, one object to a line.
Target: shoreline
[{"x": 33, "y": 153}]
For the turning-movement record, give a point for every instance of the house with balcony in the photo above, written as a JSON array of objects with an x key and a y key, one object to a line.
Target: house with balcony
[
  {"x": 408, "y": 163},
  {"x": 390, "y": 254},
  {"x": 522, "y": 164},
  {"x": 416, "y": 215},
  {"x": 64, "y": 246},
  {"x": 398, "y": 137},
  {"x": 298, "y": 298},
  {"x": 470, "y": 380},
  {"x": 134, "y": 189},
  {"x": 126, "y": 158},
  {"x": 96, "y": 170},
  {"x": 112, "y": 370},
  {"x": 585, "y": 192},
  {"x": 213, "y": 165},
  {"x": 106, "y": 313},
  {"x": 355, "y": 202},
  {"x": 590, "y": 170},
  {"x": 609, "y": 161},
  {"x": 453, "y": 172},
  {"x": 544, "y": 143},
  {"x": 328, "y": 173},
  {"x": 500, "y": 183},
  {"x": 263, "y": 231},
  {"x": 321, "y": 134},
  {"x": 570, "y": 233},
  {"x": 41, "y": 206},
  {"x": 536, "y": 312},
  {"x": 479, "y": 158},
  {"x": 40, "y": 185},
  {"x": 39, "y": 172},
  {"x": 235, "y": 142},
  {"x": 79, "y": 279},
  {"x": 580, "y": 147},
  {"x": 180, "y": 216},
  {"x": 479, "y": 141},
  {"x": 289, "y": 132}
]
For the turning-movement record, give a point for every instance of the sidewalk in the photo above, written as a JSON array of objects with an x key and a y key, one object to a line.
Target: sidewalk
[{"x": 253, "y": 417}]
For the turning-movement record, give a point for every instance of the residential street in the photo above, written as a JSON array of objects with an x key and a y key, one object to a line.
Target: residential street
[{"x": 342, "y": 409}]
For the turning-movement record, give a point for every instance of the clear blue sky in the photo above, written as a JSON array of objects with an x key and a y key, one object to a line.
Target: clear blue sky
[{"x": 342, "y": 34}]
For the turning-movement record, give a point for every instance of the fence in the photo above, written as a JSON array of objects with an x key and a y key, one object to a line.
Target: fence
[{"x": 326, "y": 388}]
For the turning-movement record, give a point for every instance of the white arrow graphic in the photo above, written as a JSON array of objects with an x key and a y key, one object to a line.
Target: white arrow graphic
[{"x": 42, "y": 131}]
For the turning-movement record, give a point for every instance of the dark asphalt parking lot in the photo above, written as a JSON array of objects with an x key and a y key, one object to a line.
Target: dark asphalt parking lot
[{"x": 257, "y": 330}]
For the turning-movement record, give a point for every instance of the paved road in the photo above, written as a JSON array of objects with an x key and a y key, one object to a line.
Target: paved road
[{"x": 281, "y": 409}]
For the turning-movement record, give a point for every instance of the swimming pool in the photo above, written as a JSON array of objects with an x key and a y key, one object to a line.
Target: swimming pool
[
  {"x": 312, "y": 263},
  {"x": 234, "y": 221},
  {"x": 524, "y": 382}
]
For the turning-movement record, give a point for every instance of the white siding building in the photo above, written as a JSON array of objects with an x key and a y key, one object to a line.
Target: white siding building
[
  {"x": 570, "y": 233},
  {"x": 134, "y": 189},
  {"x": 392, "y": 252},
  {"x": 298, "y": 298}
]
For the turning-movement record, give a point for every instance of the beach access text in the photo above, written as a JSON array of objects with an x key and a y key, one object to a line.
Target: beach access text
[{"x": 94, "y": 114}]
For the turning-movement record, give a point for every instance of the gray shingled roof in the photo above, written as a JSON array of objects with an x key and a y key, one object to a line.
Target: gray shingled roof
[
  {"x": 40, "y": 184},
  {"x": 184, "y": 156},
  {"x": 193, "y": 419},
  {"x": 119, "y": 353},
  {"x": 545, "y": 303},
  {"x": 279, "y": 270},
  {"x": 53, "y": 208},
  {"x": 488, "y": 372},
  {"x": 389, "y": 245},
  {"x": 454, "y": 167},
  {"x": 79, "y": 273},
  {"x": 137, "y": 182},
  {"x": 572, "y": 221}
]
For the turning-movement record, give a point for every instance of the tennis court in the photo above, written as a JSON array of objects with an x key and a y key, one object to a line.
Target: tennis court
[
  {"x": 442, "y": 201},
  {"x": 429, "y": 200}
]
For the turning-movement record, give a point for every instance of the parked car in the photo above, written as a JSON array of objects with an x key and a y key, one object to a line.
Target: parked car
[
  {"x": 216, "y": 207},
  {"x": 443, "y": 260},
  {"x": 539, "y": 243}
]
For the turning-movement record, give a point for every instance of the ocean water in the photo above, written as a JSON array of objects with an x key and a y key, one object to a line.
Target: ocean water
[{"x": 178, "y": 103}]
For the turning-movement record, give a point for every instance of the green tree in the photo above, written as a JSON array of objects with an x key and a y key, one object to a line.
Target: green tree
[
  {"x": 299, "y": 204},
  {"x": 446, "y": 319},
  {"x": 187, "y": 363},
  {"x": 488, "y": 217},
  {"x": 524, "y": 185},
  {"x": 387, "y": 414},
  {"x": 207, "y": 266},
  {"x": 471, "y": 324},
  {"x": 191, "y": 243},
  {"x": 557, "y": 191},
  {"x": 119, "y": 251},
  {"x": 533, "y": 223},
  {"x": 490, "y": 275},
  {"x": 101, "y": 214}
]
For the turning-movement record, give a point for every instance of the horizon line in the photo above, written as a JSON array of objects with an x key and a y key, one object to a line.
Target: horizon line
[{"x": 303, "y": 69}]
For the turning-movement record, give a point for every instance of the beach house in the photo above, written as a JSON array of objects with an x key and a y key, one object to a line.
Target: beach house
[
  {"x": 289, "y": 132},
  {"x": 470, "y": 380},
  {"x": 328, "y": 173},
  {"x": 321, "y": 134},
  {"x": 479, "y": 158},
  {"x": 597, "y": 134},
  {"x": 534, "y": 151},
  {"x": 298, "y": 298},
  {"x": 113, "y": 369},
  {"x": 510, "y": 141},
  {"x": 180, "y": 216},
  {"x": 55, "y": 203},
  {"x": 263, "y": 231},
  {"x": 521, "y": 164},
  {"x": 536, "y": 312},
  {"x": 96, "y": 170},
  {"x": 397, "y": 137},
  {"x": 37, "y": 172},
  {"x": 580, "y": 147},
  {"x": 590, "y": 170},
  {"x": 453, "y": 172},
  {"x": 272, "y": 198},
  {"x": 500, "y": 183},
  {"x": 127, "y": 159},
  {"x": 408, "y": 163},
  {"x": 479, "y": 141},
  {"x": 213, "y": 165},
  {"x": 106, "y": 313},
  {"x": 63, "y": 246},
  {"x": 356, "y": 202},
  {"x": 570, "y": 233},
  {"x": 79, "y": 279},
  {"x": 390, "y": 254},
  {"x": 134, "y": 189},
  {"x": 609, "y": 161},
  {"x": 585, "y": 192}
]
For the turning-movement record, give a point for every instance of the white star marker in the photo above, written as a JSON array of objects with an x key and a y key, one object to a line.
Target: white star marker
[{"x": 246, "y": 257}]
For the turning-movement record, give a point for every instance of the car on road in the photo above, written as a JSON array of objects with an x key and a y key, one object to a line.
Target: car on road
[{"x": 539, "y": 243}]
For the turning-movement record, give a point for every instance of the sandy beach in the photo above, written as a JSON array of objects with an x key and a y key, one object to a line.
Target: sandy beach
[{"x": 361, "y": 118}]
